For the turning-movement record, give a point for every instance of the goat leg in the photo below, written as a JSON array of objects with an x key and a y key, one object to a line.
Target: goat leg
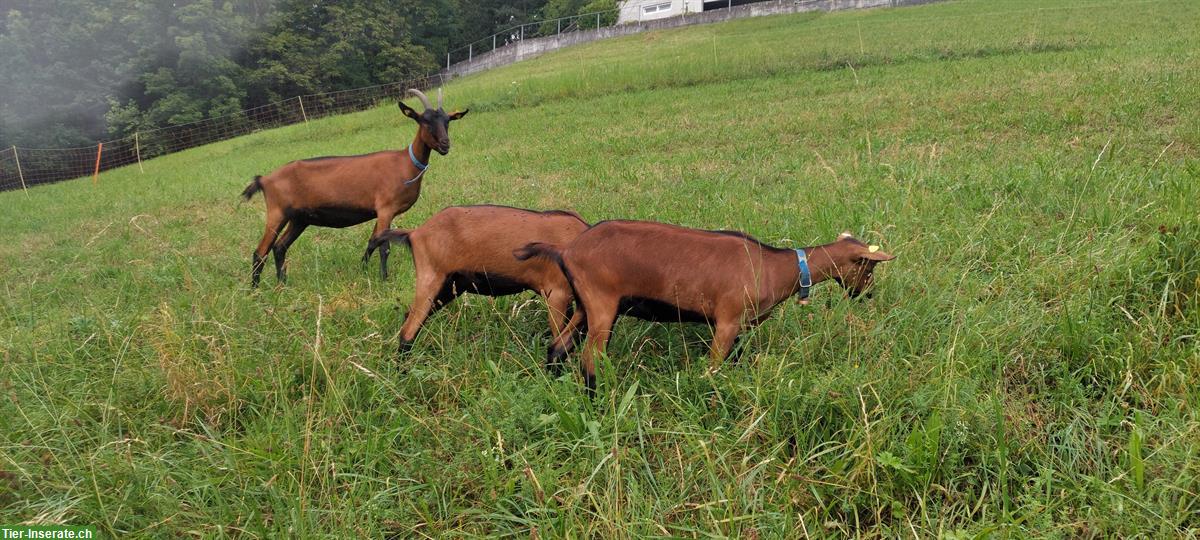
[
  {"x": 599, "y": 331},
  {"x": 256, "y": 268},
  {"x": 383, "y": 258},
  {"x": 275, "y": 223},
  {"x": 294, "y": 229},
  {"x": 723, "y": 341},
  {"x": 425, "y": 303},
  {"x": 383, "y": 222}
]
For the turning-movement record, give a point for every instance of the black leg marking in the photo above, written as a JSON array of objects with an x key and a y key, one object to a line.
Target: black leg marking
[
  {"x": 405, "y": 346},
  {"x": 590, "y": 382},
  {"x": 383, "y": 258},
  {"x": 372, "y": 243},
  {"x": 294, "y": 230},
  {"x": 555, "y": 359},
  {"x": 256, "y": 268}
]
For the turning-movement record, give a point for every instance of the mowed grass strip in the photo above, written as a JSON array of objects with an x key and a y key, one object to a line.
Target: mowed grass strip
[{"x": 1027, "y": 367}]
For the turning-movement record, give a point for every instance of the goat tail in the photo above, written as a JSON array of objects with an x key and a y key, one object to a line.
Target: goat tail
[
  {"x": 395, "y": 236},
  {"x": 254, "y": 187},
  {"x": 552, "y": 252},
  {"x": 539, "y": 249}
]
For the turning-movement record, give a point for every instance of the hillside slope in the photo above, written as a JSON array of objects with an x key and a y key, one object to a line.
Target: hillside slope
[{"x": 1028, "y": 364}]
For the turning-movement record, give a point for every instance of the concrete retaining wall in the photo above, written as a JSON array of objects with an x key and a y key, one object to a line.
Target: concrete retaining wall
[{"x": 532, "y": 48}]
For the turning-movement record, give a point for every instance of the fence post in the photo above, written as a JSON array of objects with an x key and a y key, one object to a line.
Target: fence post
[
  {"x": 522, "y": 31},
  {"x": 447, "y": 60},
  {"x": 470, "y": 51},
  {"x": 559, "y": 26},
  {"x": 493, "y": 42},
  {"x": 302, "y": 113},
  {"x": 598, "y": 20},
  {"x": 20, "y": 174},
  {"x": 137, "y": 149},
  {"x": 96, "y": 173}
]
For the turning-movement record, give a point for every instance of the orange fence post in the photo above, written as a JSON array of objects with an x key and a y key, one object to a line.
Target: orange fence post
[{"x": 96, "y": 175}]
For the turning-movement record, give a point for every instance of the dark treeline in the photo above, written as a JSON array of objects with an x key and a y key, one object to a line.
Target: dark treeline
[{"x": 77, "y": 71}]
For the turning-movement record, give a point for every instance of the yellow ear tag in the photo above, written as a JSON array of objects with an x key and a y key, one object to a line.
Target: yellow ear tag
[{"x": 872, "y": 249}]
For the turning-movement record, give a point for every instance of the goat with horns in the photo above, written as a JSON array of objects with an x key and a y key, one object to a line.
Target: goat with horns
[{"x": 341, "y": 191}]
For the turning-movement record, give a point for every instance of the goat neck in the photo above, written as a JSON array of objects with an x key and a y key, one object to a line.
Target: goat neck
[
  {"x": 420, "y": 150},
  {"x": 823, "y": 263}
]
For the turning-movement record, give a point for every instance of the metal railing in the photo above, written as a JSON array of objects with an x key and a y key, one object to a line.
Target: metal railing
[
  {"x": 550, "y": 27},
  {"x": 535, "y": 29}
]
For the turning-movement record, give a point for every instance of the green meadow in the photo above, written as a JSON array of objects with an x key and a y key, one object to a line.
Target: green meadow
[{"x": 1028, "y": 367}]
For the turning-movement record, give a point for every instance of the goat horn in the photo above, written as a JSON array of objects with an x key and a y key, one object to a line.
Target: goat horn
[
  {"x": 417, "y": 93},
  {"x": 439, "y": 97}
]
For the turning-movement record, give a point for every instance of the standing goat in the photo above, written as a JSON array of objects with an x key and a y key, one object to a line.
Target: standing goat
[
  {"x": 662, "y": 272},
  {"x": 342, "y": 191},
  {"x": 469, "y": 249}
]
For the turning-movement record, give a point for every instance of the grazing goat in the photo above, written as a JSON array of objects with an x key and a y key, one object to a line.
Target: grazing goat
[
  {"x": 469, "y": 249},
  {"x": 662, "y": 272},
  {"x": 342, "y": 191}
]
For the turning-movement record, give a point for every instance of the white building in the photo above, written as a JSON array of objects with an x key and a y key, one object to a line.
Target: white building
[{"x": 644, "y": 10}]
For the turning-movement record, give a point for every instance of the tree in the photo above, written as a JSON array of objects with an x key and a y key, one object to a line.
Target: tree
[
  {"x": 556, "y": 9},
  {"x": 59, "y": 61},
  {"x": 199, "y": 80},
  {"x": 78, "y": 70},
  {"x": 483, "y": 18},
  {"x": 607, "y": 9},
  {"x": 312, "y": 48}
]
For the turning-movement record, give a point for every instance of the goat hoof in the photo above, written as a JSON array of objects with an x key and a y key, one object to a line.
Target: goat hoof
[
  {"x": 405, "y": 347},
  {"x": 555, "y": 360}
]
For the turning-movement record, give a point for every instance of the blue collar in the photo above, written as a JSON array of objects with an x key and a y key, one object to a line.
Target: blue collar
[
  {"x": 417, "y": 162},
  {"x": 805, "y": 273}
]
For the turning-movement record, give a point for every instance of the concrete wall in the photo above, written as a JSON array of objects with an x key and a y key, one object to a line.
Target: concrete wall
[{"x": 532, "y": 48}]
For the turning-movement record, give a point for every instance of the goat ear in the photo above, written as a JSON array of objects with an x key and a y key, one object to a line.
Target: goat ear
[
  {"x": 408, "y": 111},
  {"x": 459, "y": 114},
  {"x": 877, "y": 256}
]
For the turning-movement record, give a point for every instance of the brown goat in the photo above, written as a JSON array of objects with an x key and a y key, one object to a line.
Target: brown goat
[
  {"x": 341, "y": 191},
  {"x": 469, "y": 249},
  {"x": 662, "y": 272}
]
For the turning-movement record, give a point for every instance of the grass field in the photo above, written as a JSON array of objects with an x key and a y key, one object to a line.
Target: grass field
[{"x": 1028, "y": 366}]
